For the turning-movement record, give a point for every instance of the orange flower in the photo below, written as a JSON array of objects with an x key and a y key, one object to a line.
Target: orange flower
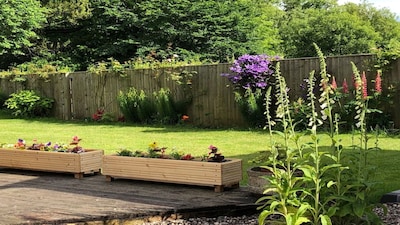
[{"x": 185, "y": 117}]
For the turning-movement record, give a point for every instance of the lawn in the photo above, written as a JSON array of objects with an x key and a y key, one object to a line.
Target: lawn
[{"x": 232, "y": 143}]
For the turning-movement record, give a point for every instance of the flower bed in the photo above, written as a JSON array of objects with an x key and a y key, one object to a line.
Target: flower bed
[
  {"x": 78, "y": 164},
  {"x": 218, "y": 174},
  {"x": 40, "y": 158}
]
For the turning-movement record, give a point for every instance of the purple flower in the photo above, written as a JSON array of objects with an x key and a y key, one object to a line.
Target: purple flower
[{"x": 251, "y": 71}]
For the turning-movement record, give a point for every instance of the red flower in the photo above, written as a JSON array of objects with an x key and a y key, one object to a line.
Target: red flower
[
  {"x": 334, "y": 85},
  {"x": 98, "y": 115},
  {"x": 378, "y": 83},
  {"x": 187, "y": 157},
  {"x": 345, "y": 86},
  {"x": 364, "y": 86},
  {"x": 75, "y": 140}
]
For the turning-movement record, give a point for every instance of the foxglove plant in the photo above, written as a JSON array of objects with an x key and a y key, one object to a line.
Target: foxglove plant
[
  {"x": 285, "y": 182},
  {"x": 329, "y": 191}
]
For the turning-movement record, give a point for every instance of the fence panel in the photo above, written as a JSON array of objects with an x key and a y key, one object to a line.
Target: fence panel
[{"x": 78, "y": 95}]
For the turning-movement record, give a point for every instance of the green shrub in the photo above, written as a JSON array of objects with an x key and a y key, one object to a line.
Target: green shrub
[
  {"x": 27, "y": 103},
  {"x": 164, "y": 103},
  {"x": 137, "y": 106}
]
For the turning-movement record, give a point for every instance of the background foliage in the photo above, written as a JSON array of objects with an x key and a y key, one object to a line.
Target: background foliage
[{"x": 75, "y": 34}]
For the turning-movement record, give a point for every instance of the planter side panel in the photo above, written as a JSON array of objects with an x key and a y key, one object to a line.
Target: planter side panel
[
  {"x": 39, "y": 160},
  {"x": 91, "y": 161},
  {"x": 232, "y": 172},
  {"x": 50, "y": 161},
  {"x": 164, "y": 170}
]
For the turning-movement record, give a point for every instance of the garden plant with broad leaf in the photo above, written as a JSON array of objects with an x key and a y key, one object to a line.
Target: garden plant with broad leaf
[{"x": 334, "y": 186}]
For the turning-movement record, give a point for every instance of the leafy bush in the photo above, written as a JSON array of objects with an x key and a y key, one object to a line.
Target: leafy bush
[
  {"x": 137, "y": 106},
  {"x": 164, "y": 103},
  {"x": 28, "y": 103}
]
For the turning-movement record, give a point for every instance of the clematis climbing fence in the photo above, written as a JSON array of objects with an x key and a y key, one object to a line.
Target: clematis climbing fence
[{"x": 79, "y": 95}]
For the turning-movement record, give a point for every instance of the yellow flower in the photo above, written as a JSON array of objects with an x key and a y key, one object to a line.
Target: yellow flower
[{"x": 153, "y": 145}]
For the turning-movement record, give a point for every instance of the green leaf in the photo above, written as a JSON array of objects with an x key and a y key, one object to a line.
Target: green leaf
[
  {"x": 302, "y": 220},
  {"x": 308, "y": 171},
  {"x": 263, "y": 216},
  {"x": 358, "y": 208},
  {"x": 325, "y": 220},
  {"x": 330, "y": 183},
  {"x": 325, "y": 168}
]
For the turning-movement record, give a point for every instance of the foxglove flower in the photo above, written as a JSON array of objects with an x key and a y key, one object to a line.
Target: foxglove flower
[
  {"x": 333, "y": 85},
  {"x": 345, "y": 86},
  {"x": 378, "y": 83},
  {"x": 364, "y": 86},
  {"x": 355, "y": 83}
]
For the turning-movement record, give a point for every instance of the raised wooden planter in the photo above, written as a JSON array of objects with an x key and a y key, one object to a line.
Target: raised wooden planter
[
  {"x": 217, "y": 175},
  {"x": 78, "y": 164}
]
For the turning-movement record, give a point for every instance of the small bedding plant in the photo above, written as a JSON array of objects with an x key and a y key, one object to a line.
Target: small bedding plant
[
  {"x": 72, "y": 147},
  {"x": 155, "y": 151}
]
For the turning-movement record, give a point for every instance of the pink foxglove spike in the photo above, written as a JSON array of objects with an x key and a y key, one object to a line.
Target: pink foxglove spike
[
  {"x": 345, "y": 86},
  {"x": 364, "y": 86},
  {"x": 378, "y": 83}
]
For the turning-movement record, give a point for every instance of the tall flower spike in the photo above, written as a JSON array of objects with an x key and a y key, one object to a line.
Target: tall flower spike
[
  {"x": 364, "y": 86},
  {"x": 378, "y": 83},
  {"x": 355, "y": 83},
  {"x": 345, "y": 86},
  {"x": 333, "y": 85}
]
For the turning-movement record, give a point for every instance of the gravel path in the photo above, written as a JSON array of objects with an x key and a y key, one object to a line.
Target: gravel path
[
  {"x": 393, "y": 214},
  {"x": 391, "y": 218}
]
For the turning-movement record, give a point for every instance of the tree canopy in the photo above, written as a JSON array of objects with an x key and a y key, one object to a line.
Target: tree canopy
[
  {"x": 79, "y": 33},
  {"x": 20, "y": 19}
]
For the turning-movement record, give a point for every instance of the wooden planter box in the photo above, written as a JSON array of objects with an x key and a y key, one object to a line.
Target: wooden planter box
[
  {"x": 217, "y": 175},
  {"x": 78, "y": 164}
]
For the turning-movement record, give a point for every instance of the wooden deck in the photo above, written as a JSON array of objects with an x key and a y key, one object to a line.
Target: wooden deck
[{"x": 32, "y": 197}]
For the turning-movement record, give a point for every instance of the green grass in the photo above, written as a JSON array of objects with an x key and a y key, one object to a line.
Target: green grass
[{"x": 233, "y": 143}]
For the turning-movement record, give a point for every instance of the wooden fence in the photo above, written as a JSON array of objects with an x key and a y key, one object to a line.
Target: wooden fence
[{"x": 78, "y": 95}]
